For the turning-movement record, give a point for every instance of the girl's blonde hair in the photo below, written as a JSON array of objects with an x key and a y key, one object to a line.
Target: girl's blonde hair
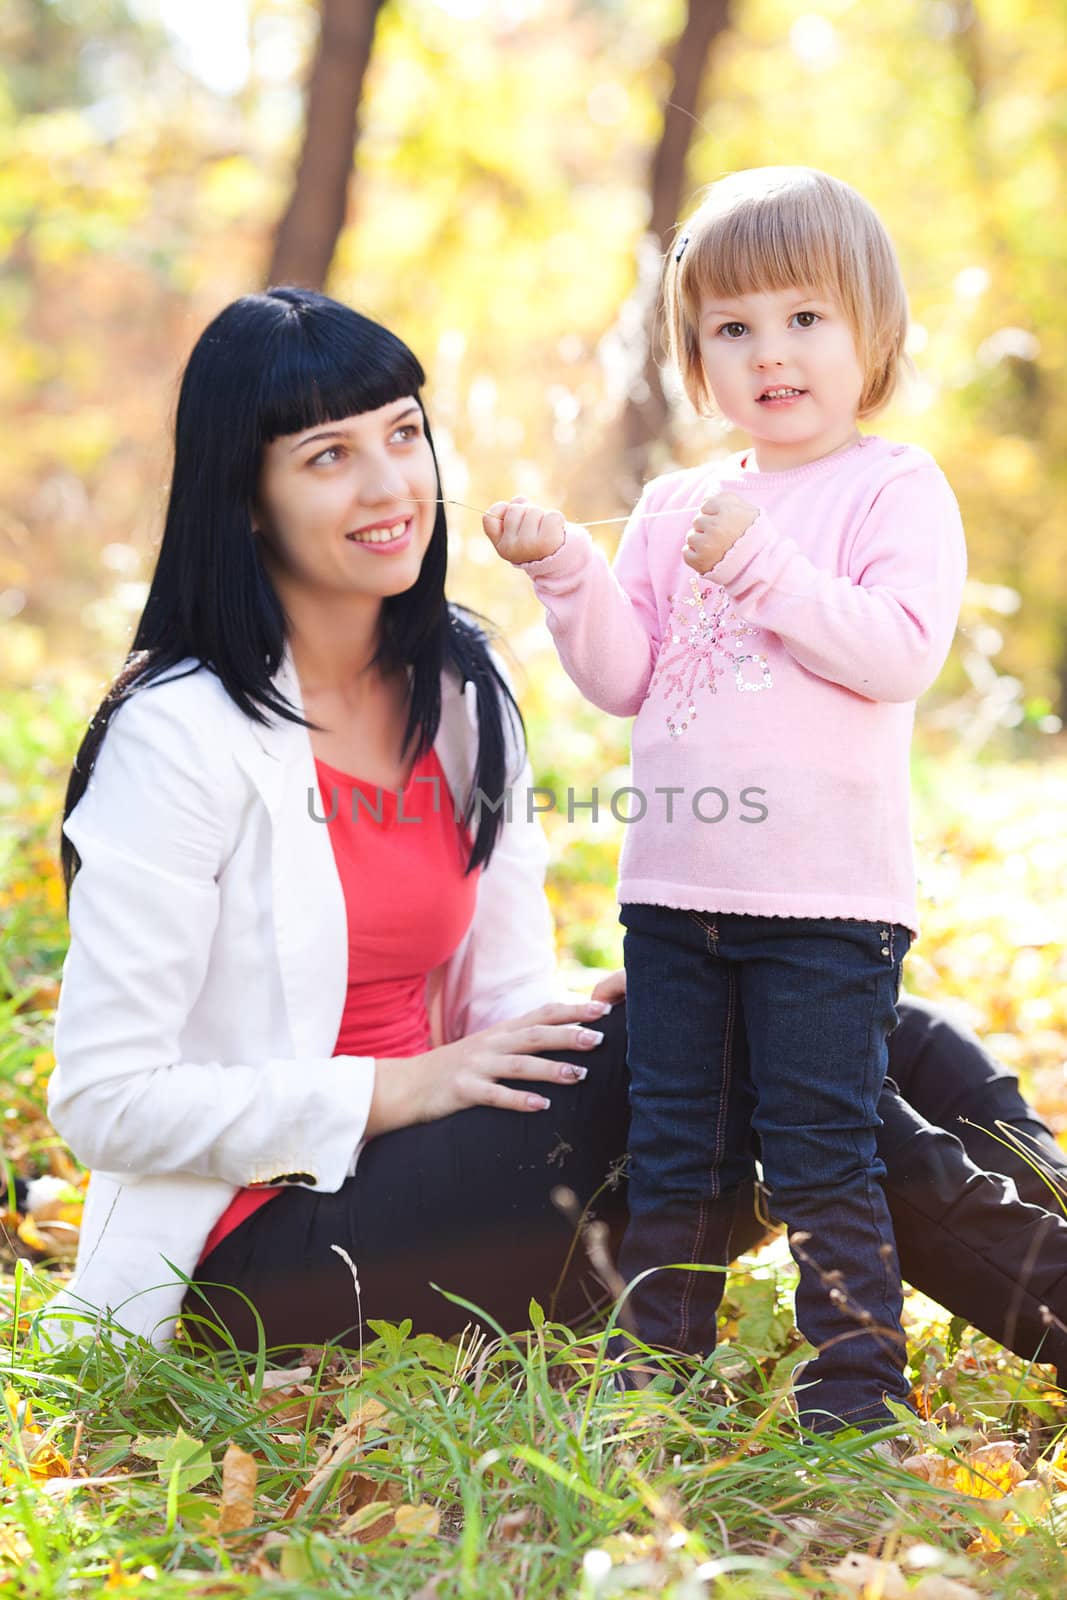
[{"x": 773, "y": 228}]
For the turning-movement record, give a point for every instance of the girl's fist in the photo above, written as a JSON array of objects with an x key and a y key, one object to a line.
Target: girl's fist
[
  {"x": 722, "y": 521},
  {"x": 523, "y": 532}
]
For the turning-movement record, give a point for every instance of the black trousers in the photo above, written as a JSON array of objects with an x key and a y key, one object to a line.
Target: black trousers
[{"x": 469, "y": 1204}]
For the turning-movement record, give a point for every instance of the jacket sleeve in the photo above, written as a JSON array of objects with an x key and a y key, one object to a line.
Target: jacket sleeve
[
  {"x": 604, "y": 620},
  {"x": 884, "y": 630},
  {"x": 153, "y": 831}
]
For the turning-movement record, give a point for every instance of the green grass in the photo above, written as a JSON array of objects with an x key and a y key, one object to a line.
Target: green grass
[{"x": 535, "y": 1478}]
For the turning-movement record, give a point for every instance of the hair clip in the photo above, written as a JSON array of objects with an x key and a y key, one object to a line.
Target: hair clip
[{"x": 680, "y": 252}]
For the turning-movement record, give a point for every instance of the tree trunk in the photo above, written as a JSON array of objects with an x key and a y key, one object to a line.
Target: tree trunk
[
  {"x": 645, "y": 416},
  {"x": 308, "y": 232}
]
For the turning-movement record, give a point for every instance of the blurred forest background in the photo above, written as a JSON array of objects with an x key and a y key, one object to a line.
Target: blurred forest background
[{"x": 497, "y": 180}]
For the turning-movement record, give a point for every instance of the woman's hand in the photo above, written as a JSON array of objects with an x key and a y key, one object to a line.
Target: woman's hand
[
  {"x": 722, "y": 521},
  {"x": 523, "y": 532},
  {"x": 454, "y": 1076}
]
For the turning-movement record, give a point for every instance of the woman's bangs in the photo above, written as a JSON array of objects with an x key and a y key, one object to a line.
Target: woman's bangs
[{"x": 323, "y": 376}]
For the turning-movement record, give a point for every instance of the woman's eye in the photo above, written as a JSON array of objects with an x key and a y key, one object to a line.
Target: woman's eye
[
  {"x": 409, "y": 431},
  {"x": 334, "y": 450},
  {"x": 814, "y": 315}
]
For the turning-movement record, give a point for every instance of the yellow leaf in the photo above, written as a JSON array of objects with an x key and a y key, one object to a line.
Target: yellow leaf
[
  {"x": 991, "y": 1472},
  {"x": 237, "y": 1501},
  {"x": 46, "y": 1462},
  {"x": 15, "y": 1548},
  {"x": 412, "y": 1521},
  {"x": 120, "y": 1579},
  {"x": 13, "y": 1400},
  {"x": 30, "y": 1235}
]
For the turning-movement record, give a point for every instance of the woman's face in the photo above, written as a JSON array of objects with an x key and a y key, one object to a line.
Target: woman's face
[{"x": 348, "y": 507}]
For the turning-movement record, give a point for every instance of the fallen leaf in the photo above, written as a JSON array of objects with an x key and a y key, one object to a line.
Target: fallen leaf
[
  {"x": 992, "y": 1472},
  {"x": 414, "y": 1521},
  {"x": 43, "y": 1459},
  {"x": 342, "y": 1448},
  {"x": 120, "y": 1579},
  {"x": 512, "y": 1523},
  {"x": 1031, "y": 1498},
  {"x": 283, "y": 1377},
  {"x": 51, "y": 1239},
  {"x": 933, "y": 1468},
  {"x": 237, "y": 1501},
  {"x": 15, "y": 1549},
  {"x": 290, "y": 1402},
  {"x": 368, "y": 1507}
]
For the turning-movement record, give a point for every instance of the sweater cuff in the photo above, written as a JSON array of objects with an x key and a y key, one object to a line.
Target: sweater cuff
[
  {"x": 760, "y": 535},
  {"x": 568, "y": 559}
]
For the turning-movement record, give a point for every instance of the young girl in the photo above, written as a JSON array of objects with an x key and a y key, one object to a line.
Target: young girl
[{"x": 771, "y": 620}]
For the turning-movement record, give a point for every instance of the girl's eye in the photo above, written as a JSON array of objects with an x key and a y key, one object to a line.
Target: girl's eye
[
  {"x": 814, "y": 315},
  {"x": 727, "y": 325}
]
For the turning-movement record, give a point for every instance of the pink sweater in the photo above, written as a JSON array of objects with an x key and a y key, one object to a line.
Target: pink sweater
[{"x": 775, "y": 697}]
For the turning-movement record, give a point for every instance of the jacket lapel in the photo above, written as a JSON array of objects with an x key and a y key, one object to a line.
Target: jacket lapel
[{"x": 310, "y": 926}]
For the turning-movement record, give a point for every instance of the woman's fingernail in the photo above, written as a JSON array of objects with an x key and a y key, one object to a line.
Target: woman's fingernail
[
  {"x": 589, "y": 1036},
  {"x": 575, "y": 1072},
  {"x": 597, "y": 1008},
  {"x": 537, "y": 1102}
]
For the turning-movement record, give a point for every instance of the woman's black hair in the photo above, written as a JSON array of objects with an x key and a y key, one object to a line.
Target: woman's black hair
[{"x": 268, "y": 365}]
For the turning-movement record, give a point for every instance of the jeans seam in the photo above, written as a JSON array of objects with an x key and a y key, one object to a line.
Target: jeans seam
[
  {"x": 716, "y": 1169},
  {"x": 726, "y": 1080},
  {"x": 708, "y": 929},
  {"x": 687, "y": 1290}
]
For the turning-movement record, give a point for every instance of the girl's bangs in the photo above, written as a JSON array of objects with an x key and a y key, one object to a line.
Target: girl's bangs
[
  {"x": 753, "y": 250},
  {"x": 320, "y": 375}
]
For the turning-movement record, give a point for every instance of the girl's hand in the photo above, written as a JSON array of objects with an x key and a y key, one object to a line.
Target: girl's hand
[
  {"x": 612, "y": 987},
  {"x": 722, "y": 521},
  {"x": 437, "y": 1083},
  {"x": 523, "y": 532}
]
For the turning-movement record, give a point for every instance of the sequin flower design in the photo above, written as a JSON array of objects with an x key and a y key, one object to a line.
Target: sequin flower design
[{"x": 704, "y": 642}]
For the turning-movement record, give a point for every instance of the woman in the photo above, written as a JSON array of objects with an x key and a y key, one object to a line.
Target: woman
[{"x": 288, "y": 1020}]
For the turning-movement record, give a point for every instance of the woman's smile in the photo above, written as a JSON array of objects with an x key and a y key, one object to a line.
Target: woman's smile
[{"x": 384, "y": 538}]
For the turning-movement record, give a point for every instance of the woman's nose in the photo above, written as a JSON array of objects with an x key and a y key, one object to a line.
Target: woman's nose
[{"x": 383, "y": 481}]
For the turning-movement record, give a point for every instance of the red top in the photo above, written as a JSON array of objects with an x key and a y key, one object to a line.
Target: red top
[{"x": 401, "y": 860}]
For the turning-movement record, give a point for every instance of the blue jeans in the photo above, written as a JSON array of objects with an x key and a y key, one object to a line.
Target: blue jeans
[{"x": 776, "y": 1026}]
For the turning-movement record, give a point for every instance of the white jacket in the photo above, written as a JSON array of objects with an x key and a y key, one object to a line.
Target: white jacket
[{"x": 207, "y": 972}]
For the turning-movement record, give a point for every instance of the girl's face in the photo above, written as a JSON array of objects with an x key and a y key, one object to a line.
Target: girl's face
[
  {"x": 342, "y": 507},
  {"x": 786, "y": 340}
]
